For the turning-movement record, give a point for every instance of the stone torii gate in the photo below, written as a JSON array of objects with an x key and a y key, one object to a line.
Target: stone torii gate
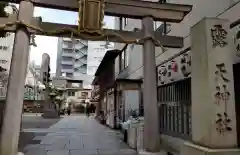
[{"x": 91, "y": 14}]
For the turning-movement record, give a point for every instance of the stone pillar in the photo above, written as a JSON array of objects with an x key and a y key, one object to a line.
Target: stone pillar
[
  {"x": 15, "y": 92},
  {"x": 151, "y": 127},
  {"x": 213, "y": 103}
]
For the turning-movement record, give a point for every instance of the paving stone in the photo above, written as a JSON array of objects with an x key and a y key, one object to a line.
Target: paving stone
[
  {"x": 84, "y": 152},
  {"x": 32, "y": 147},
  {"x": 53, "y": 139},
  {"x": 58, "y": 152},
  {"x": 36, "y": 152},
  {"x": 55, "y": 146},
  {"x": 38, "y": 138},
  {"x": 78, "y": 135},
  {"x": 117, "y": 152},
  {"x": 74, "y": 146}
]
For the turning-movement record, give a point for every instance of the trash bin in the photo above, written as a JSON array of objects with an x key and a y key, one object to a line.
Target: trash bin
[
  {"x": 125, "y": 134},
  {"x": 125, "y": 127},
  {"x": 132, "y": 134}
]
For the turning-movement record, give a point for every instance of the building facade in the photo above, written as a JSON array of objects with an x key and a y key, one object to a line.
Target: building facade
[
  {"x": 96, "y": 52},
  {"x": 79, "y": 59},
  {"x": 72, "y": 57},
  {"x": 174, "y": 80}
]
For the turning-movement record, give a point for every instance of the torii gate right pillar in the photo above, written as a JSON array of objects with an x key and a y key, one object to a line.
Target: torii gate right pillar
[{"x": 151, "y": 130}]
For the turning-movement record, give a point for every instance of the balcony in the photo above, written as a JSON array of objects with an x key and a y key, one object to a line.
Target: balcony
[
  {"x": 68, "y": 54},
  {"x": 67, "y": 45},
  {"x": 67, "y": 39},
  {"x": 67, "y": 62},
  {"x": 67, "y": 70}
]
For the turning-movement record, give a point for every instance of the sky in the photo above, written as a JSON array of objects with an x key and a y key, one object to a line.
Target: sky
[{"x": 49, "y": 44}]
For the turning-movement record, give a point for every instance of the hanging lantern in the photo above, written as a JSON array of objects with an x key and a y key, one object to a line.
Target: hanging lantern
[{"x": 91, "y": 14}]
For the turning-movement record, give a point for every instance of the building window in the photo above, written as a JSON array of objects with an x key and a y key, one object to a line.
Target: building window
[
  {"x": 162, "y": 27},
  {"x": 124, "y": 22},
  {"x": 124, "y": 59},
  {"x": 70, "y": 93},
  {"x": 141, "y": 105},
  {"x": 99, "y": 49},
  {"x": 3, "y": 61},
  {"x": 68, "y": 44},
  {"x": 4, "y": 48}
]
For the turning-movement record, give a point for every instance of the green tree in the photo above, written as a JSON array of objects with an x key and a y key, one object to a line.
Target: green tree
[{"x": 3, "y": 14}]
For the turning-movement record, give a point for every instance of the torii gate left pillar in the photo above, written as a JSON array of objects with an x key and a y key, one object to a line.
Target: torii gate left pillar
[{"x": 18, "y": 69}]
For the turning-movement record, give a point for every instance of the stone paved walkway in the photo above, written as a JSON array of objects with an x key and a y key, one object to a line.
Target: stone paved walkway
[{"x": 77, "y": 135}]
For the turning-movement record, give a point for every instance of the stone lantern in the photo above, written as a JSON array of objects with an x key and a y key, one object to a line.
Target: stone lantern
[{"x": 91, "y": 14}]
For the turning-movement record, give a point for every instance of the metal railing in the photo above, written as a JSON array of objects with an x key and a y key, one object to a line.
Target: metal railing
[
  {"x": 28, "y": 94},
  {"x": 175, "y": 108}
]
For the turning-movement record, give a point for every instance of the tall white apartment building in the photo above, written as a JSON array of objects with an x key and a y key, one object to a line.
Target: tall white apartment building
[
  {"x": 96, "y": 51},
  {"x": 79, "y": 59},
  {"x": 6, "y": 47}
]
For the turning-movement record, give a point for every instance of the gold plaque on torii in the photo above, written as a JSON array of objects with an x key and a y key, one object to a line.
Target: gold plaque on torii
[{"x": 91, "y": 14}]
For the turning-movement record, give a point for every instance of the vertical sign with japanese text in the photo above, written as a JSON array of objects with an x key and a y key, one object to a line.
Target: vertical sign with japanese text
[
  {"x": 223, "y": 95},
  {"x": 212, "y": 85}
]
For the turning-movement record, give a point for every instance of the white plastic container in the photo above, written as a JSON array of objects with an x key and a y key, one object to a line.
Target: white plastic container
[
  {"x": 132, "y": 134},
  {"x": 140, "y": 130}
]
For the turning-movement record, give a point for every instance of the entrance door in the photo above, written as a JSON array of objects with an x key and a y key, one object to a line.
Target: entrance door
[{"x": 236, "y": 73}]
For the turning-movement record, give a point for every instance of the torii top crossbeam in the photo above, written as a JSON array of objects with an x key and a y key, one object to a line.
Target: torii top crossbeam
[
  {"x": 124, "y": 8},
  {"x": 121, "y": 8}
]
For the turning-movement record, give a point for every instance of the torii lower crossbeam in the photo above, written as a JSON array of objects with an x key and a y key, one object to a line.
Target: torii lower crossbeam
[{"x": 166, "y": 41}]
